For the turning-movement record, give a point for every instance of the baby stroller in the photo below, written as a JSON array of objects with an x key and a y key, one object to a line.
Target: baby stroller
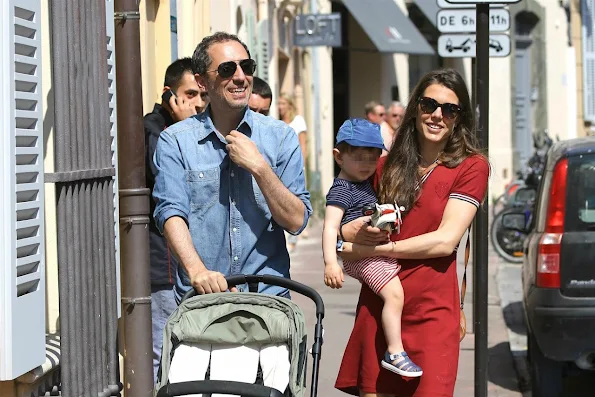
[{"x": 242, "y": 319}]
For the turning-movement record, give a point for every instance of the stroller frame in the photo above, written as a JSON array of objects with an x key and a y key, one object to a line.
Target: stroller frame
[{"x": 246, "y": 389}]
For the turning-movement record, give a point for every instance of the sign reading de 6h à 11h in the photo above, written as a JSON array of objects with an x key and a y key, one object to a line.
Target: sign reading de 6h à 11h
[{"x": 460, "y": 21}]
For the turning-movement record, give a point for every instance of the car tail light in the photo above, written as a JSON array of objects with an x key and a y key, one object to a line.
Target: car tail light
[{"x": 548, "y": 257}]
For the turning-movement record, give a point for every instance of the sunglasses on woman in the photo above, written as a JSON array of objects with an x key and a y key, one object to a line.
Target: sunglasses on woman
[
  {"x": 228, "y": 69},
  {"x": 450, "y": 111}
]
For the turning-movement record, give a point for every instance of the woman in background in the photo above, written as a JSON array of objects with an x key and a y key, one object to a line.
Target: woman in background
[{"x": 288, "y": 114}]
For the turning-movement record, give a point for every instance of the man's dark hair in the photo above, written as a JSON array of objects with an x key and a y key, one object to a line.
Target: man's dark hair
[
  {"x": 262, "y": 88},
  {"x": 201, "y": 59},
  {"x": 175, "y": 72}
]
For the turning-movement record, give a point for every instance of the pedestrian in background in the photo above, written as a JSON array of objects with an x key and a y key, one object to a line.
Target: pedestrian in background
[
  {"x": 374, "y": 112},
  {"x": 288, "y": 113},
  {"x": 437, "y": 134},
  {"x": 261, "y": 98},
  {"x": 183, "y": 101},
  {"x": 392, "y": 121}
]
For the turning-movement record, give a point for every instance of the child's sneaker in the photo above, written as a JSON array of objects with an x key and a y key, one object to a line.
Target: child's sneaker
[{"x": 401, "y": 364}]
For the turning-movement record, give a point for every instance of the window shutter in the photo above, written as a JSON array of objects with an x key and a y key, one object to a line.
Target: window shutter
[
  {"x": 262, "y": 51},
  {"x": 22, "y": 253},
  {"x": 588, "y": 18},
  {"x": 111, "y": 76},
  {"x": 250, "y": 28}
]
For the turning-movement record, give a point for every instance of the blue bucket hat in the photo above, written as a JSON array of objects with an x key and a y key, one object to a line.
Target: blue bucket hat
[{"x": 360, "y": 133}]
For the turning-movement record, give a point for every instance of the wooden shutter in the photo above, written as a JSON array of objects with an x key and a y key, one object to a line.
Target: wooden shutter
[
  {"x": 588, "y": 18},
  {"x": 22, "y": 263}
]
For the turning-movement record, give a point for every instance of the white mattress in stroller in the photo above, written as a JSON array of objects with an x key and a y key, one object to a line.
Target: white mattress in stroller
[{"x": 232, "y": 363}]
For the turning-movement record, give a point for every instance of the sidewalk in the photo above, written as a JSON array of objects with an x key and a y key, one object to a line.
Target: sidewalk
[{"x": 307, "y": 267}]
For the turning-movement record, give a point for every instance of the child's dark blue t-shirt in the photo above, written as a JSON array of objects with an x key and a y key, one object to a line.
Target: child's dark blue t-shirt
[{"x": 351, "y": 196}]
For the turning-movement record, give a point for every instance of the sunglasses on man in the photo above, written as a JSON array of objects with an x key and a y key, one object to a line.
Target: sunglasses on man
[
  {"x": 227, "y": 69},
  {"x": 450, "y": 111}
]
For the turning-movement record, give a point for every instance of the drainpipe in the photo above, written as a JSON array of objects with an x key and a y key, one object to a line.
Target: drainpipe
[
  {"x": 316, "y": 184},
  {"x": 134, "y": 205}
]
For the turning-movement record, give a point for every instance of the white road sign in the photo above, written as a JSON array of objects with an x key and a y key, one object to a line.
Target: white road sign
[
  {"x": 446, "y": 4},
  {"x": 463, "y": 21},
  {"x": 482, "y": 1},
  {"x": 463, "y": 45}
]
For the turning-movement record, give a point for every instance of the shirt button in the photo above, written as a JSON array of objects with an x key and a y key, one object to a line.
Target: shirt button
[
  {"x": 234, "y": 229},
  {"x": 201, "y": 175},
  {"x": 233, "y": 202},
  {"x": 232, "y": 174},
  {"x": 235, "y": 258}
]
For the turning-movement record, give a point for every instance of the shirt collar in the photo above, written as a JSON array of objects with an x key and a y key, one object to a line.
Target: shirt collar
[{"x": 245, "y": 125}]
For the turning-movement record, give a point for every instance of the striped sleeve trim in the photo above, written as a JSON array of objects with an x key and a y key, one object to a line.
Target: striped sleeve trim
[{"x": 464, "y": 197}]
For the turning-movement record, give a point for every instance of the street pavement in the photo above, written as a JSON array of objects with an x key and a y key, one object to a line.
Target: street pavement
[{"x": 307, "y": 267}]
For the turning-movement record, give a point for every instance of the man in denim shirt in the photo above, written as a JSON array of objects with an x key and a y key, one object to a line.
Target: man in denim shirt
[{"x": 229, "y": 181}]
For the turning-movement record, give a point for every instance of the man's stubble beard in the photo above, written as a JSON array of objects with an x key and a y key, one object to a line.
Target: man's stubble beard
[{"x": 220, "y": 97}]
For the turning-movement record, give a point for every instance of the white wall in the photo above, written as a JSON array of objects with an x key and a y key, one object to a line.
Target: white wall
[
  {"x": 556, "y": 38},
  {"x": 222, "y": 16},
  {"x": 500, "y": 120},
  {"x": 327, "y": 129}
]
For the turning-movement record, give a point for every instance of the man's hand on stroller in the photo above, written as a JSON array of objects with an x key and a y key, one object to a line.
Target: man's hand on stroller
[{"x": 208, "y": 282}]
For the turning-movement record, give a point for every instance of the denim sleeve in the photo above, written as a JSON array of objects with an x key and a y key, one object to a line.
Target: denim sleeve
[
  {"x": 290, "y": 169},
  {"x": 170, "y": 192}
]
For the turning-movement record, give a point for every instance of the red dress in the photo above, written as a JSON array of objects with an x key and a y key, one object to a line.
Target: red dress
[{"x": 430, "y": 322}]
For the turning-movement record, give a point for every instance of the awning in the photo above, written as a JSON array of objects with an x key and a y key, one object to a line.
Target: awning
[
  {"x": 429, "y": 8},
  {"x": 387, "y": 27}
]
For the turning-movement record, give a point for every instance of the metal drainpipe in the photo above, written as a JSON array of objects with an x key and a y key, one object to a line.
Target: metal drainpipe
[{"x": 134, "y": 204}]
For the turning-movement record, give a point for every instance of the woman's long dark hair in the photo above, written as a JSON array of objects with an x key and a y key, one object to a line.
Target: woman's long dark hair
[{"x": 400, "y": 175}]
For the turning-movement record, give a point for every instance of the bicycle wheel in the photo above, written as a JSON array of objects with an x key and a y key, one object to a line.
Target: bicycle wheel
[{"x": 507, "y": 243}]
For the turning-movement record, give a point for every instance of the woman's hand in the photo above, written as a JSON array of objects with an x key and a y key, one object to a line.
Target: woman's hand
[{"x": 359, "y": 231}]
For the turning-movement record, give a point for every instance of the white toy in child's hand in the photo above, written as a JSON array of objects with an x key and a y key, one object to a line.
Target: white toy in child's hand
[{"x": 384, "y": 216}]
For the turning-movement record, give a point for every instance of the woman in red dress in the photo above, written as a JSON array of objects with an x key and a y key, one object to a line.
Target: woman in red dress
[{"x": 438, "y": 127}]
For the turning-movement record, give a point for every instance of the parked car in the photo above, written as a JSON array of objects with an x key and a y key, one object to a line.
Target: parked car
[{"x": 558, "y": 272}]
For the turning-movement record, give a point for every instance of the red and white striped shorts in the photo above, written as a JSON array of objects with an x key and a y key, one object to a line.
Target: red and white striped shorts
[{"x": 375, "y": 272}]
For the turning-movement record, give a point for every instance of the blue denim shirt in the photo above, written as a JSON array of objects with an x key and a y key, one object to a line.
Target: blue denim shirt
[{"x": 229, "y": 220}]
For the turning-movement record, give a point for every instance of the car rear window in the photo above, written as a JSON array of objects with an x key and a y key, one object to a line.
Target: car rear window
[{"x": 580, "y": 197}]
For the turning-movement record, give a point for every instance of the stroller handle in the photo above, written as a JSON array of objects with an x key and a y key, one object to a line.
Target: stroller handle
[
  {"x": 219, "y": 387},
  {"x": 254, "y": 280}
]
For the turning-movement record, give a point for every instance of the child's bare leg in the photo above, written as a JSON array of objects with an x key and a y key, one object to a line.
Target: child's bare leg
[{"x": 393, "y": 297}]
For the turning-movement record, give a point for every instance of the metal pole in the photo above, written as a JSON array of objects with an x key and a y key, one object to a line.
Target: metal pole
[
  {"x": 134, "y": 204},
  {"x": 480, "y": 227},
  {"x": 316, "y": 183}
]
